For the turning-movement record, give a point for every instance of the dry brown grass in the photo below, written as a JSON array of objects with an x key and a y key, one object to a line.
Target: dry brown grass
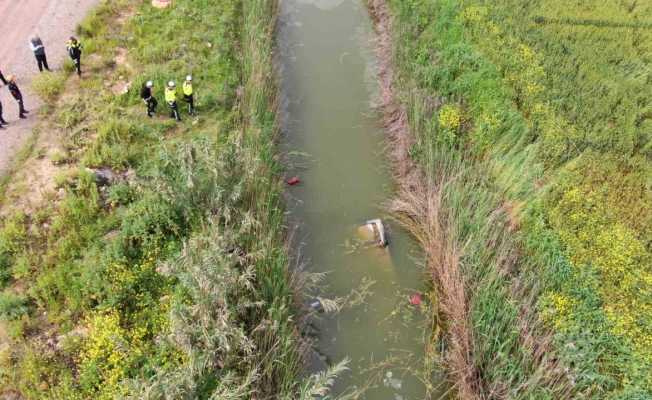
[
  {"x": 419, "y": 209},
  {"x": 418, "y": 206}
]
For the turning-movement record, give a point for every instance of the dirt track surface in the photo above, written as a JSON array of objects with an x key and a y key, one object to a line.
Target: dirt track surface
[{"x": 54, "y": 21}]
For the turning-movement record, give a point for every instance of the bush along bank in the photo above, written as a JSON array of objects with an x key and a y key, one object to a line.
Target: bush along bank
[
  {"x": 166, "y": 275},
  {"x": 523, "y": 197}
]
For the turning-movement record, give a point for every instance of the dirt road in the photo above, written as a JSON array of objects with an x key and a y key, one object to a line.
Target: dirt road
[{"x": 54, "y": 21}]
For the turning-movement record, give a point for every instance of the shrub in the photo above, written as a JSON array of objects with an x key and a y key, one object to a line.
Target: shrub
[
  {"x": 108, "y": 354},
  {"x": 12, "y": 305},
  {"x": 450, "y": 117},
  {"x": 13, "y": 237},
  {"x": 49, "y": 86}
]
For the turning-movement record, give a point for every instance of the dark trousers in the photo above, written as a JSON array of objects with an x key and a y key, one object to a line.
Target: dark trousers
[
  {"x": 21, "y": 106},
  {"x": 151, "y": 106},
  {"x": 2, "y": 120},
  {"x": 42, "y": 62},
  {"x": 174, "y": 111},
  {"x": 77, "y": 62},
  {"x": 191, "y": 103}
]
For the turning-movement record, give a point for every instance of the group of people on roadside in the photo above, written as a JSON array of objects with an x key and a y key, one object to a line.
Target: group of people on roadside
[
  {"x": 146, "y": 93},
  {"x": 73, "y": 46},
  {"x": 74, "y": 49}
]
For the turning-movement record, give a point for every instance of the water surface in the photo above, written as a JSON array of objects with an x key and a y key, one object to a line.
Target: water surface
[{"x": 328, "y": 85}]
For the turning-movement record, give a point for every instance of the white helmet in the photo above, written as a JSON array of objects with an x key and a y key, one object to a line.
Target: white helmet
[
  {"x": 149, "y": 84},
  {"x": 171, "y": 84},
  {"x": 189, "y": 78}
]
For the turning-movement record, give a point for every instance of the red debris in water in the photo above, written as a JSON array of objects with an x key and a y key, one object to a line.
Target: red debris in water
[
  {"x": 415, "y": 299},
  {"x": 293, "y": 181}
]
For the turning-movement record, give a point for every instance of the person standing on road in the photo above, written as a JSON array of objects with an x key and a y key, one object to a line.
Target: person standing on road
[
  {"x": 171, "y": 99},
  {"x": 188, "y": 94},
  {"x": 15, "y": 92},
  {"x": 148, "y": 98},
  {"x": 74, "y": 51},
  {"x": 37, "y": 47},
  {"x": 2, "y": 120}
]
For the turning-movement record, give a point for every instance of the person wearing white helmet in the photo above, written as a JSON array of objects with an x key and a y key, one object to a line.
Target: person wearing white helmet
[
  {"x": 148, "y": 98},
  {"x": 188, "y": 94},
  {"x": 171, "y": 99}
]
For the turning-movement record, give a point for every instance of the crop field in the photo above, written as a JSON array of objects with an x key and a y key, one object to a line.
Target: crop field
[{"x": 550, "y": 101}]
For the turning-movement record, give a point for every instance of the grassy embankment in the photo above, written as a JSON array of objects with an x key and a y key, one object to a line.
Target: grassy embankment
[
  {"x": 172, "y": 280},
  {"x": 531, "y": 121}
]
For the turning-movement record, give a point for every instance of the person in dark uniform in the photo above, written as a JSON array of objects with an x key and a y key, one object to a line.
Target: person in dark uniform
[
  {"x": 2, "y": 120},
  {"x": 4, "y": 82},
  {"x": 148, "y": 98},
  {"x": 15, "y": 92},
  {"x": 37, "y": 47},
  {"x": 74, "y": 51}
]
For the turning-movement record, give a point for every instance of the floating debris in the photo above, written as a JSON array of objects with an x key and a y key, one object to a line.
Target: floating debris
[
  {"x": 391, "y": 382},
  {"x": 316, "y": 305},
  {"x": 415, "y": 299},
  {"x": 373, "y": 231},
  {"x": 293, "y": 181}
]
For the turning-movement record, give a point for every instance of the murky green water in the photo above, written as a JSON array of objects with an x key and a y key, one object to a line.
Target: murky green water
[{"x": 328, "y": 84}]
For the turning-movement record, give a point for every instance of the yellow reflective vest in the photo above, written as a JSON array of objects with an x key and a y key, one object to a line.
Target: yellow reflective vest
[
  {"x": 170, "y": 95},
  {"x": 187, "y": 88},
  {"x": 74, "y": 48}
]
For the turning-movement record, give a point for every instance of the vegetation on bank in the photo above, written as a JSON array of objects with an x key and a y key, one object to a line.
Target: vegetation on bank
[
  {"x": 531, "y": 119},
  {"x": 164, "y": 275}
]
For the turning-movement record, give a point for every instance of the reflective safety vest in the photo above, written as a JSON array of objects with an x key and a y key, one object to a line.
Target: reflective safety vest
[
  {"x": 74, "y": 49},
  {"x": 170, "y": 95},
  {"x": 187, "y": 88}
]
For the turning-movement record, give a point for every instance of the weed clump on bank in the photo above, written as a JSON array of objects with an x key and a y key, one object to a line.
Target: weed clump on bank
[{"x": 49, "y": 86}]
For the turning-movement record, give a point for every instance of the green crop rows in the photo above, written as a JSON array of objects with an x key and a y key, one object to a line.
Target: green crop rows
[{"x": 548, "y": 102}]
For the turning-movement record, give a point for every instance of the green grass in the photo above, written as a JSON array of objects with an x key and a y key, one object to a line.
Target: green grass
[
  {"x": 552, "y": 141},
  {"x": 49, "y": 86}
]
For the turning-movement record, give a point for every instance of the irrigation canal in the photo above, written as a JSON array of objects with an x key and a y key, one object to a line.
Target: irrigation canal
[{"x": 335, "y": 146}]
